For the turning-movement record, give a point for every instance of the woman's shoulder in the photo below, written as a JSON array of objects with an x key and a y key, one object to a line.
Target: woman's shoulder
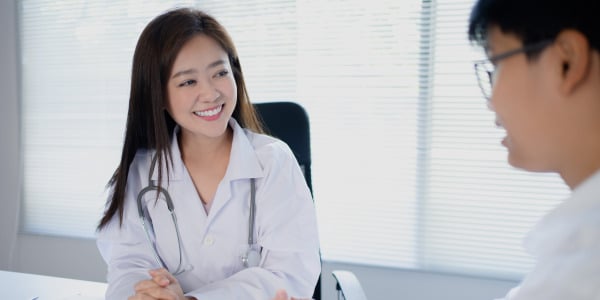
[
  {"x": 267, "y": 146},
  {"x": 140, "y": 165},
  {"x": 265, "y": 141},
  {"x": 142, "y": 158}
]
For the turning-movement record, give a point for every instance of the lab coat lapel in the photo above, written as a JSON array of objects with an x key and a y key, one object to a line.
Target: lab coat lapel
[
  {"x": 177, "y": 169},
  {"x": 188, "y": 206},
  {"x": 243, "y": 165}
]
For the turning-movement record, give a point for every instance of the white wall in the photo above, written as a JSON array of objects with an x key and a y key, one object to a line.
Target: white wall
[
  {"x": 65, "y": 257},
  {"x": 9, "y": 134},
  {"x": 78, "y": 258}
]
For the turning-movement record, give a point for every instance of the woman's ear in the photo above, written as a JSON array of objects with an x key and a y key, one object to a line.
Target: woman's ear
[{"x": 574, "y": 52}]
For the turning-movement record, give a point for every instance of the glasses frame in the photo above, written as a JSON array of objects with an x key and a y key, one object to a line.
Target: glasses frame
[{"x": 485, "y": 68}]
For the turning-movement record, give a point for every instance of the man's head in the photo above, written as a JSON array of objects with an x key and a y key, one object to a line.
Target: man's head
[
  {"x": 545, "y": 72},
  {"x": 533, "y": 21}
]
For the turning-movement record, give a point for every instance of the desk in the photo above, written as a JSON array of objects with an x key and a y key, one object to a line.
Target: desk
[{"x": 22, "y": 286}]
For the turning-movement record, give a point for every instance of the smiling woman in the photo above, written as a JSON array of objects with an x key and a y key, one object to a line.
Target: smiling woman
[{"x": 194, "y": 148}]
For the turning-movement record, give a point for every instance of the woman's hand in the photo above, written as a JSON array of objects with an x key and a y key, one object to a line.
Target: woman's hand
[
  {"x": 282, "y": 295},
  {"x": 161, "y": 286}
]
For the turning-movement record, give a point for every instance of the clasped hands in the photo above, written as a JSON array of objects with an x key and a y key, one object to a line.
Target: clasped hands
[
  {"x": 161, "y": 286},
  {"x": 164, "y": 286}
]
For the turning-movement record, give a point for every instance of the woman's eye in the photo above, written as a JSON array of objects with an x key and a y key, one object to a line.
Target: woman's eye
[
  {"x": 187, "y": 82},
  {"x": 222, "y": 73}
]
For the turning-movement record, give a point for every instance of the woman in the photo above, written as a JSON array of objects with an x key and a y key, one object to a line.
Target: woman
[{"x": 192, "y": 136}]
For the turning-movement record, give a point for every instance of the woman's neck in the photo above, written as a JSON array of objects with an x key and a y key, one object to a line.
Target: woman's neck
[{"x": 205, "y": 150}]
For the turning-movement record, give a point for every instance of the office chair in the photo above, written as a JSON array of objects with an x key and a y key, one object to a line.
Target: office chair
[
  {"x": 348, "y": 286},
  {"x": 288, "y": 121}
]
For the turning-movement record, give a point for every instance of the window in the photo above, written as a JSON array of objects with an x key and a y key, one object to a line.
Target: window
[{"x": 407, "y": 167}]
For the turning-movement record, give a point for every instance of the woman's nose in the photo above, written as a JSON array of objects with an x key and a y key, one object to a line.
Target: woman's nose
[{"x": 207, "y": 92}]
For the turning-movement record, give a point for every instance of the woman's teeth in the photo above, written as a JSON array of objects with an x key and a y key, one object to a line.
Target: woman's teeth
[{"x": 209, "y": 113}]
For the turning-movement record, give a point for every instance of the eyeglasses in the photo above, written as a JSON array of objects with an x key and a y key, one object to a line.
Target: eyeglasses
[{"x": 485, "y": 69}]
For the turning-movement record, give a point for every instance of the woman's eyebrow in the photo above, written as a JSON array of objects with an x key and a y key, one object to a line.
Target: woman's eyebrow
[
  {"x": 184, "y": 72},
  {"x": 216, "y": 63},
  {"x": 193, "y": 70}
]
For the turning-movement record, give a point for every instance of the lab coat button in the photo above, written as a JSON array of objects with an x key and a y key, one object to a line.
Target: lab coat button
[{"x": 209, "y": 240}]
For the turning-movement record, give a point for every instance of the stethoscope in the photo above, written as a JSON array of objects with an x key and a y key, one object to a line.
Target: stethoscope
[{"x": 251, "y": 258}]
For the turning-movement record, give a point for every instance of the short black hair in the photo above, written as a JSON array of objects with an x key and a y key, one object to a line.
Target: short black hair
[{"x": 534, "y": 21}]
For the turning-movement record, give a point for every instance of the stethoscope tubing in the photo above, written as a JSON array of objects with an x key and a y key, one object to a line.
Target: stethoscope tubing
[{"x": 180, "y": 268}]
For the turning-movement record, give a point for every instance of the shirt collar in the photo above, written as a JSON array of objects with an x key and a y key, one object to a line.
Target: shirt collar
[
  {"x": 562, "y": 221},
  {"x": 587, "y": 191},
  {"x": 243, "y": 161},
  {"x": 175, "y": 169},
  {"x": 582, "y": 198}
]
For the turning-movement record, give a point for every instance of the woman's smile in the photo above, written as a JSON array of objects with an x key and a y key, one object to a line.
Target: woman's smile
[{"x": 210, "y": 114}]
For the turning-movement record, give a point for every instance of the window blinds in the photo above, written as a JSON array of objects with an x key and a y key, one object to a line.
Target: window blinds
[
  {"x": 407, "y": 166},
  {"x": 477, "y": 208}
]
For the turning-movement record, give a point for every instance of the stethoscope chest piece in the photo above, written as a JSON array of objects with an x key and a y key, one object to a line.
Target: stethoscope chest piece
[{"x": 251, "y": 258}]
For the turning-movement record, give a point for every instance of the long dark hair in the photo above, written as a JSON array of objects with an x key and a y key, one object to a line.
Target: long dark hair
[{"x": 149, "y": 126}]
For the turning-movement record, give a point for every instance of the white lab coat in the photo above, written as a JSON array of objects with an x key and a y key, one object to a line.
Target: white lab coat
[
  {"x": 566, "y": 245},
  {"x": 285, "y": 228}
]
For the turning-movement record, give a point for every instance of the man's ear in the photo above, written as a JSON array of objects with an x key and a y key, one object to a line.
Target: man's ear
[{"x": 574, "y": 52}]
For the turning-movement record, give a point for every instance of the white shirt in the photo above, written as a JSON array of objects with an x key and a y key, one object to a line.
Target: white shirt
[
  {"x": 566, "y": 245},
  {"x": 285, "y": 227}
]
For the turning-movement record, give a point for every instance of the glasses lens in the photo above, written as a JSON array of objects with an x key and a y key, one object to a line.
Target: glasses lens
[{"x": 484, "y": 78}]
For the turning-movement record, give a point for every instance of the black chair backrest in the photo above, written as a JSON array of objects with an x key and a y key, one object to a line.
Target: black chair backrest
[{"x": 288, "y": 121}]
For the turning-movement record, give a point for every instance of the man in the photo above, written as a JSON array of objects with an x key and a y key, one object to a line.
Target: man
[
  {"x": 542, "y": 80},
  {"x": 543, "y": 83}
]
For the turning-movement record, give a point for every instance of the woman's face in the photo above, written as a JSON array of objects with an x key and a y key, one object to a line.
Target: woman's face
[{"x": 202, "y": 92}]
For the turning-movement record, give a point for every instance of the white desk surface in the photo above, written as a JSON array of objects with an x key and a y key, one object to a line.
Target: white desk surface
[{"x": 22, "y": 286}]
